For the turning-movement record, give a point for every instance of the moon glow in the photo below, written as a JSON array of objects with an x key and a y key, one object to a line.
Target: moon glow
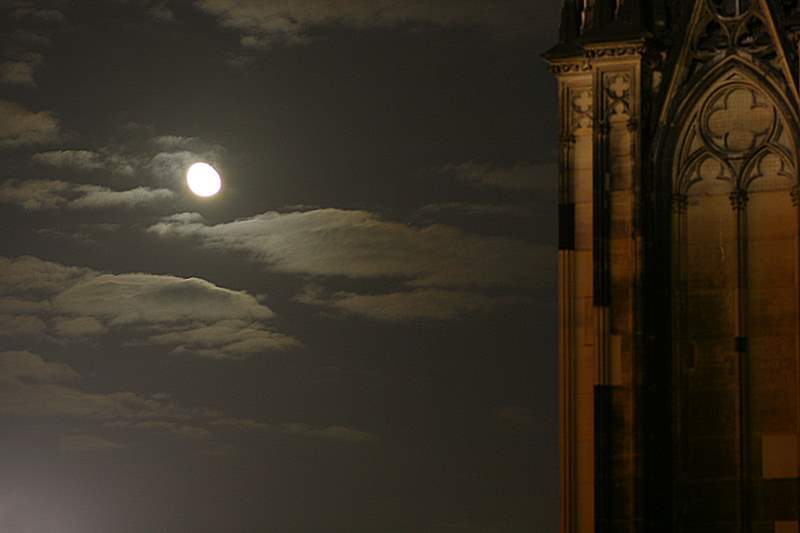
[{"x": 203, "y": 180}]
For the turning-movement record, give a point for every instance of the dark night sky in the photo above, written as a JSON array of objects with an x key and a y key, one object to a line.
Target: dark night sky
[{"x": 358, "y": 334}]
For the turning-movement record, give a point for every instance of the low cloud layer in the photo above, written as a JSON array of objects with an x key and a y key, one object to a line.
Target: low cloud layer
[
  {"x": 20, "y": 126},
  {"x": 37, "y": 195},
  {"x": 192, "y": 315},
  {"x": 32, "y": 387},
  {"x": 290, "y": 22}
]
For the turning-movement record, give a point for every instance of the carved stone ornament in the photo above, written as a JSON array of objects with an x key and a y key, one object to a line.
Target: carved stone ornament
[
  {"x": 618, "y": 92},
  {"x": 737, "y": 120},
  {"x": 732, "y": 25},
  {"x": 737, "y": 136},
  {"x": 582, "y": 110},
  {"x": 738, "y": 199}
]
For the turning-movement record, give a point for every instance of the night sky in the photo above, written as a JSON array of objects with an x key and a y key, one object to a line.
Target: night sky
[{"x": 357, "y": 334}]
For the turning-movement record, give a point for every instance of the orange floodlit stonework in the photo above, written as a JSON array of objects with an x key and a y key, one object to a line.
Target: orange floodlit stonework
[{"x": 679, "y": 255}]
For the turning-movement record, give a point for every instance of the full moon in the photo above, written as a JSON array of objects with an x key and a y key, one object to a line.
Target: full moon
[{"x": 203, "y": 180}]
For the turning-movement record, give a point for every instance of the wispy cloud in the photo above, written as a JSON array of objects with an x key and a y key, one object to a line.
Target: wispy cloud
[
  {"x": 438, "y": 272},
  {"x": 33, "y": 387},
  {"x": 21, "y": 56},
  {"x": 291, "y": 22},
  {"x": 402, "y": 306},
  {"x": 20, "y": 126},
  {"x": 360, "y": 244},
  {"x": 37, "y": 195},
  {"x": 185, "y": 315},
  {"x": 86, "y": 160}
]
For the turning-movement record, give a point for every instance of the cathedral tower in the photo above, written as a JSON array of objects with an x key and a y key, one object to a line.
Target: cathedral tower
[{"x": 679, "y": 265}]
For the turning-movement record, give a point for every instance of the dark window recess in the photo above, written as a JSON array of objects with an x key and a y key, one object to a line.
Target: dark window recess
[{"x": 566, "y": 226}]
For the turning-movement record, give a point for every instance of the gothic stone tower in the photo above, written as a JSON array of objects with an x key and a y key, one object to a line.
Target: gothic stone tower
[{"x": 679, "y": 265}]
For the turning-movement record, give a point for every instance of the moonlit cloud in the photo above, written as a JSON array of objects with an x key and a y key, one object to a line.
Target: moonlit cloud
[
  {"x": 86, "y": 160},
  {"x": 359, "y": 244},
  {"x": 183, "y": 315},
  {"x": 37, "y": 195},
  {"x": 80, "y": 327},
  {"x": 148, "y": 298},
  {"x": 290, "y": 22},
  {"x": 441, "y": 272},
  {"x": 27, "y": 367},
  {"x": 419, "y": 304},
  {"x": 21, "y": 71},
  {"x": 21, "y": 57},
  {"x": 20, "y": 126}
]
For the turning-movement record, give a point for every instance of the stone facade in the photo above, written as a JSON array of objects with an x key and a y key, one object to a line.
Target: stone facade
[{"x": 679, "y": 265}]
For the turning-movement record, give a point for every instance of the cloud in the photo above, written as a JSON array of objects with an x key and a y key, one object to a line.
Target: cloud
[
  {"x": 32, "y": 387},
  {"x": 226, "y": 338},
  {"x": 439, "y": 272},
  {"x": 186, "y": 315},
  {"x": 147, "y": 298},
  {"x": 21, "y": 326},
  {"x": 21, "y": 71},
  {"x": 86, "y": 160},
  {"x": 420, "y": 304},
  {"x": 38, "y": 195},
  {"x": 517, "y": 177},
  {"x": 21, "y": 57},
  {"x": 177, "y": 153},
  {"x": 359, "y": 244},
  {"x": 20, "y": 126},
  {"x": 30, "y": 276},
  {"x": 290, "y": 22},
  {"x": 97, "y": 197},
  {"x": 27, "y": 367},
  {"x": 81, "y": 327}
]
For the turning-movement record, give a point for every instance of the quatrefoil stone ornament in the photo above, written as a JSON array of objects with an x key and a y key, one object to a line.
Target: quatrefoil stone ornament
[{"x": 738, "y": 120}]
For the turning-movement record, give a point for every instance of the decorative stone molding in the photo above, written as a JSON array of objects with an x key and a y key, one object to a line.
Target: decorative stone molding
[
  {"x": 573, "y": 67},
  {"x": 616, "y": 51},
  {"x": 738, "y": 134},
  {"x": 618, "y": 93},
  {"x": 582, "y": 110},
  {"x": 738, "y": 199}
]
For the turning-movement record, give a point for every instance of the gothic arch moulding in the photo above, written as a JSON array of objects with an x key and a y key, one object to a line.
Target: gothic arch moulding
[{"x": 736, "y": 136}]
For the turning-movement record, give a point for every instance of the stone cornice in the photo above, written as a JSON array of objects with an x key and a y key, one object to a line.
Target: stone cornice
[{"x": 597, "y": 51}]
